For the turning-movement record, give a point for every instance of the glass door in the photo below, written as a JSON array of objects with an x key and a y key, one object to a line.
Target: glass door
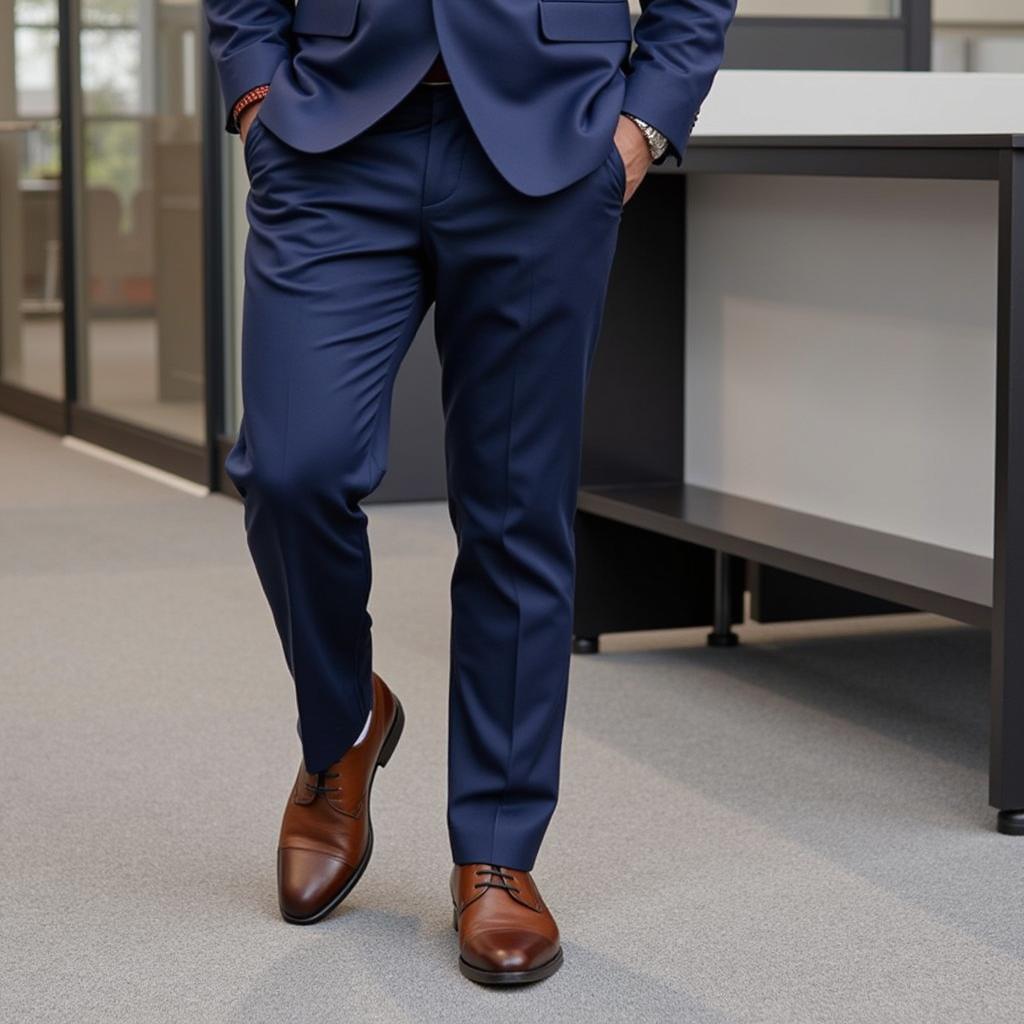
[
  {"x": 141, "y": 341},
  {"x": 31, "y": 293}
]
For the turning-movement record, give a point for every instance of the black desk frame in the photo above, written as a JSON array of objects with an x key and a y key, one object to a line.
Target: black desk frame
[{"x": 655, "y": 552}]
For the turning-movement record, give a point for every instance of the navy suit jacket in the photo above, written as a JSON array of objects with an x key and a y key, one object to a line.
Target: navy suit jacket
[{"x": 542, "y": 82}]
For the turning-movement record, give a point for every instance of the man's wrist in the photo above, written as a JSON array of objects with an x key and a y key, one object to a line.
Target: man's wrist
[{"x": 657, "y": 143}]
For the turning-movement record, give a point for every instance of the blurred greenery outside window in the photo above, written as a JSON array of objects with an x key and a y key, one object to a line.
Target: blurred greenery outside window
[
  {"x": 36, "y": 37},
  {"x": 111, "y": 67},
  {"x": 111, "y": 63}
]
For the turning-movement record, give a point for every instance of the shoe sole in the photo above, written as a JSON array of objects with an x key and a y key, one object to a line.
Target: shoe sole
[
  {"x": 386, "y": 750},
  {"x": 482, "y": 977}
]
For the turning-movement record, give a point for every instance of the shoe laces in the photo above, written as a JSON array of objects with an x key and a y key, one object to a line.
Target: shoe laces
[
  {"x": 502, "y": 879},
  {"x": 320, "y": 789}
]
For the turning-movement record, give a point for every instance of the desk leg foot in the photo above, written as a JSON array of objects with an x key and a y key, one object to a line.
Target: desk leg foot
[
  {"x": 584, "y": 645},
  {"x": 1011, "y": 823},
  {"x": 726, "y": 639}
]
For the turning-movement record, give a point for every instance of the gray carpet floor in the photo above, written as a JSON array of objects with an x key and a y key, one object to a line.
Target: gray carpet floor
[{"x": 792, "y": 831}]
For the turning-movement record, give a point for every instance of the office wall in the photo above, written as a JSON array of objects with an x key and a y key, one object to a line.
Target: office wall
[
  {"x": 840, "y": 348},
  {"x": 815, "y": 8},
  {"x": 979, "y": 35},
  {"x": 978, "y": 12},
  {"x": 809, "y": 8},
  {"x": 1006, "y": 12}
]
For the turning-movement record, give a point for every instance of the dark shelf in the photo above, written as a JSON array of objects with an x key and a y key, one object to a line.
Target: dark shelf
[
  {"x": 951, "y": 583},
  {"x": 1005, "y": 140},
  {"x": 942, "y": 157}
]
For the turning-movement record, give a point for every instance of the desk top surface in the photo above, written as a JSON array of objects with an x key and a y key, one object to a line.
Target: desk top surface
[
  {"x": 978, "y": 141},
  {"x": 961, "y": 109}
]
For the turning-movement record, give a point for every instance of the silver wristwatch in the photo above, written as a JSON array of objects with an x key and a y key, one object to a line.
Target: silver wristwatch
[{"x": 656, "y": 142}]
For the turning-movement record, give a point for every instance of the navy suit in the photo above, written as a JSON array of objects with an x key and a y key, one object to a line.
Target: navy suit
[
  {"x": 496, "y": 199},
  {"x": 542, "y": 81}
]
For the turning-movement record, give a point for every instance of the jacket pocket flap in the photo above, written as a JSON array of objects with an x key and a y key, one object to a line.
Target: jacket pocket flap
[
  {"x": 584, "y": 20},
  {"x": 325, "y": 17}
]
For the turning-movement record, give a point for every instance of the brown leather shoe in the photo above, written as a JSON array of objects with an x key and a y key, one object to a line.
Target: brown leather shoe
[
  {"x": 326, "y": 834},
  {"x": 507, "y": 935}
]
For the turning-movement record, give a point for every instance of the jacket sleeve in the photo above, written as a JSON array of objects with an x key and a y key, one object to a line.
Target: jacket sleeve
[
  {"x": 679, "y": 47},
  {"x": 247, "y": 39}
]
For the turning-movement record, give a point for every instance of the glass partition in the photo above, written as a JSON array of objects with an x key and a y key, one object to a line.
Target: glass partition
[
  {"x": 142, "y": 333},
  {"x": 31, "y": 306}
]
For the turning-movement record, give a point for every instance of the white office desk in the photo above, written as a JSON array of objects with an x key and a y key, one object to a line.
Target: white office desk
[{"x": 851, "y": 397}]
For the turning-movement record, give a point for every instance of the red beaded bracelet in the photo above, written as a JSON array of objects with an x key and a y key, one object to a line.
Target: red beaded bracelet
[{"x": 257, "y": 92}]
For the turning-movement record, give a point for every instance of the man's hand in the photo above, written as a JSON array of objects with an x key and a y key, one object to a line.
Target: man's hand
[
  {"x": 635, "y": 154},
  {"x": 245, "y": 119}
]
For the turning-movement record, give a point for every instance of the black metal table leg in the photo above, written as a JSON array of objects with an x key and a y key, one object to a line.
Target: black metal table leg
[
  {"x": 721, "y": 634},
  {"x": 1006, "y": 776}
]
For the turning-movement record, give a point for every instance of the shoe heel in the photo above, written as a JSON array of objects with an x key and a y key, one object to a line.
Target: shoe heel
[{"x": 393, "y": 736}]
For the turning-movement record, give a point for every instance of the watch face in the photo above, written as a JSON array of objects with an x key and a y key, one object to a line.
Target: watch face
[{"x": 654, "y": 141}]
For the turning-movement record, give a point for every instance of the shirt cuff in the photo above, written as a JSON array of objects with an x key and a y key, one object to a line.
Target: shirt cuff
[{"x": 673, "y": 116}]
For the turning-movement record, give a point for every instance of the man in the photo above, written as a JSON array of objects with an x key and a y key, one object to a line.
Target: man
[{"x": 474, "y": 155}]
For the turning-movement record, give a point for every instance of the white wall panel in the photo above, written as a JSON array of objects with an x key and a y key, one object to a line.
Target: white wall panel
[
  {"x": 841, "y": 349},
  {"x": 978, "y": 12}
]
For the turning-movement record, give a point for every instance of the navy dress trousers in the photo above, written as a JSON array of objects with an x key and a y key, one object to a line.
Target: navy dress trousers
[{"x": 496, "y": 199}]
